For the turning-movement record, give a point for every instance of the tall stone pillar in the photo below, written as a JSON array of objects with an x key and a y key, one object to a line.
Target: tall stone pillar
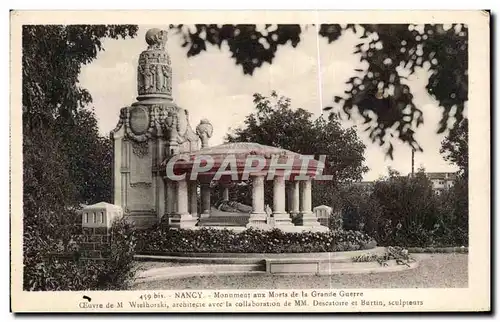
[
  {"x": 182, "y": 197},
  {"x": 205, "y": 200},
  {"x": 161, "y": 193},
  {"x": 182, "y": 218},
  {"x": 289, "y": 193},
  {"x": 258, "y": 216},
  {"x": 308, "y": 218},
  {"x": 281, "y": 218},
  {"x": 160, "y": 182},
  {"x": 170, "y": 193},
  {"x": 117, "y": 173},
  {"x": 193, "y": 198}
]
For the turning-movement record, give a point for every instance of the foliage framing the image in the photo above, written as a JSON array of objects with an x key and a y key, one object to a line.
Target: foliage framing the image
[
  {"x": 54, "y": 262},
  {"x": 379, "y": 93},
  {"x": 65, "y": 160}
]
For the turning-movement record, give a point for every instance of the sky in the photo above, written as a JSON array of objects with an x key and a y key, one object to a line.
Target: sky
[{"x": 212, "y": 86}]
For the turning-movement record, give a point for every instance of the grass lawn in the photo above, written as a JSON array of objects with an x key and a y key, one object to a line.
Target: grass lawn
[{"x": 435, "y": 270}]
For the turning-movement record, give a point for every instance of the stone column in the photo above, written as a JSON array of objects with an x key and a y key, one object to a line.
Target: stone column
[
  {"x": 258, "y": 216},
  {"x": 295, "y": 197},
  {"x": 182, "y": 197},
  {"x": 294, "y": 200},
  {"x": 117, "y": 172},
  {"x": 289, "y": 193},
  {"x": 205, "y": 200},
  {"x": 308, "y": 218},
  {"x": 306, "y": 197},
  {"x": 193, "y": 198},
  {"x": 182, "y": 218},
  {"x": 170, "y": 192},
  {"x": 281, "y": 218}
]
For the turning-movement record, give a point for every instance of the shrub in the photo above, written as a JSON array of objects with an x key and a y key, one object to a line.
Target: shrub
[
  {"x": 52, "y": 265},
  {"x": 164, "y": 240},
  {"x": 399, "y": 254},
  {"x": 336, "y": 221},
  {"x": 118, "y": 271},
  {"x": 405, "y": 211}
]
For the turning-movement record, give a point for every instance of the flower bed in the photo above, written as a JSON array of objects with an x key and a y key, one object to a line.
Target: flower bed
[{"x": 250, "y": 241}]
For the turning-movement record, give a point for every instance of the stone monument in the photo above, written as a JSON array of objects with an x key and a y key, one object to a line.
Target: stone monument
[{"x": 150, "y": 131}]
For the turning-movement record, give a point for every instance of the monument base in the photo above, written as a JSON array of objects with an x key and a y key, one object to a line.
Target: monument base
[
  {"x": 258, "y": 221},
  {"x": 282, "y": 219},
  {"x": 182, "y": 221}
]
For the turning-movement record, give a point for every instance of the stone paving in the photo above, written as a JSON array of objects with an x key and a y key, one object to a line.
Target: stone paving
[{"x": 434, "y": 270}]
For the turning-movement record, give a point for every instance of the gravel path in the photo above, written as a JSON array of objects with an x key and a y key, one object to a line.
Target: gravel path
[{"x": 435, "y": 270}]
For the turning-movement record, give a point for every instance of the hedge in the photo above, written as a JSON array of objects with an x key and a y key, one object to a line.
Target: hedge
[
  {"x": 63, "y": 270},
  {"x": 251, "y": 240}
]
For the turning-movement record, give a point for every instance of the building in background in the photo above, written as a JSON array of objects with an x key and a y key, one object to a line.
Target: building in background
[
  {"x": 441, "y": 180},
  {"x": 366, "y": 186}
]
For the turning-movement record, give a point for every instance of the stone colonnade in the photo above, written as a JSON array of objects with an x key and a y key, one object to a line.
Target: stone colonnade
[
  {"x": 299, "y": 203},
  {"x": 182, "y": 202},
  {"x": 184, "y": 212}
]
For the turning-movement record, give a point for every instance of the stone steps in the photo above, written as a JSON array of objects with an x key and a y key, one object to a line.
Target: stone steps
[
  {"x": 162, "y": 273},
  {"x": 256, "y": 258},
  {"x": 283, "y": 266},
  {"x": 226, "y": 220}
]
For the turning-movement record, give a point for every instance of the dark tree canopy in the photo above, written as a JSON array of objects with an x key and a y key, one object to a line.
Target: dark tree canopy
[
  {"x": 53, "y": 56},
  {"x": 378, "y": 89},
  {"x": 65, "y": 160},
  {"x": 275, "y": 123},
  {"x": 455, "y": 146}
]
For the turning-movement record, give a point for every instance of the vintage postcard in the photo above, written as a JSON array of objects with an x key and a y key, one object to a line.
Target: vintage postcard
[{"x": 250, "y": 161}]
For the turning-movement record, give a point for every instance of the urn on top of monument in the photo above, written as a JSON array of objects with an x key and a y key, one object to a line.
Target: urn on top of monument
[{"x": 154, "y": 72}]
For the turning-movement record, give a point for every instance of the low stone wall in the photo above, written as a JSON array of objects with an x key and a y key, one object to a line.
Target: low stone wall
[
  {"x": 255, "y": 258},
  {"x": 297, "y": 264},
  {"x": 95, "y": 243}
]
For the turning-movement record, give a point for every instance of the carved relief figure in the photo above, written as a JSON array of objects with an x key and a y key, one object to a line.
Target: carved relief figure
[
  {"x": 168, "y": 125},
  {"x": 152, "y": 74},
  {"x": 146, "y": 78},
  {"x": 159, "y": 78},
  {"x": 166, "y": 79}
]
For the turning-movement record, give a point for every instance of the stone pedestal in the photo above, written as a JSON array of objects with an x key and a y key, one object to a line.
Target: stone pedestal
[
  {"x": 258, "y": 217},
  {"x": 323, "y": 215},
  {"x": 97, "y": 221}
]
